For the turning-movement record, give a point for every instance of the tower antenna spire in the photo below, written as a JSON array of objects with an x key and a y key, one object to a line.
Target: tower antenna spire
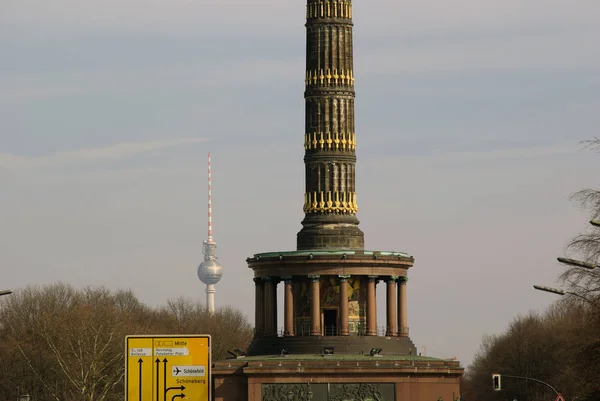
[
  {"x": 210, "y": 271},
  {"x": 210, "y": 232}
]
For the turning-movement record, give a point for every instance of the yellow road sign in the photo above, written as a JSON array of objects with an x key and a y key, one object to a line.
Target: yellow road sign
[{"x": 168, "y": 368}]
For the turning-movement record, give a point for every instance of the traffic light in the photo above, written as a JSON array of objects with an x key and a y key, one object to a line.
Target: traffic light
[{"x": 496, "y": 382}]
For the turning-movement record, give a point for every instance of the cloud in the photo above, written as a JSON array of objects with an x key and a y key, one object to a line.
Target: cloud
[
  {"x": 485, "y": 49},
  {"x": 167, "y": 16},
  {"x": 507, "y": 154},
  {"x": 271, "y": 16},
  {"x": 90, "y": 155},
  {"x": 197, "y": 74},
  {"x": 472, "y": 158}
]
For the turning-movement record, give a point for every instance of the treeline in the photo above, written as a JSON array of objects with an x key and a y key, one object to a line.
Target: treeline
[
  {"x": 561, "y": 346},
  {"x": 62, "y": 343}
]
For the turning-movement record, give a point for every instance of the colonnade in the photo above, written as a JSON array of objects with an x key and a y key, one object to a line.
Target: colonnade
[{"x": 266, "y": 305}]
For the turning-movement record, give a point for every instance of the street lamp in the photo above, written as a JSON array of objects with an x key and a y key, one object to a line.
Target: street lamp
[
  {"x": 577, "y": 263},
  {"x": 562, "y": 292},
  {"x": 552, "y": 290}
]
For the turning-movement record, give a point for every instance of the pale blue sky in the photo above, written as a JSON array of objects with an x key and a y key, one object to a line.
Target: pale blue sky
[{"x": 469, "y": 115}]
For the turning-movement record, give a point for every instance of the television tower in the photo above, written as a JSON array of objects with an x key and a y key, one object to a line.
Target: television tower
[{"x": 210, "y": 271}]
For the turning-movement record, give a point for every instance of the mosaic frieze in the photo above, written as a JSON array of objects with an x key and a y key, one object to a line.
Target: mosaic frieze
[
  {"x": 329, "y": 293},
  {"x": 329, "y": 392}
]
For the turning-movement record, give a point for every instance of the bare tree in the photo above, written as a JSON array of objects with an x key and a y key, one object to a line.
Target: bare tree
[
  {"x": 71, "y": 341},
  {"x": 546, "y": 347},
  {"x": 60, "y": 343},
  {"x": 586, "y": 246},
  {"x": 228, "y": 327}
]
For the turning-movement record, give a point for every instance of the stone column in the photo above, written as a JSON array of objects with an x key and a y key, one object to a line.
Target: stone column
[
  {"x": 274, "y": 306},
  {"x": 288, "y": 300},
  {"x": 344, "y": 306},
  {"x": 269, "y": 293},
  {"x": 392, "y": 327},
  {"x": 315, "y": 306},
  {"x": 259, "y": 307},
  {"x": 402, "y": 319},
  {"x": 330, "y": 132},
  {"x": 371, "y": 307}
]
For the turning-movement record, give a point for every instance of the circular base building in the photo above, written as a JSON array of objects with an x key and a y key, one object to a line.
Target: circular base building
[{"x": 330, "y": 302}]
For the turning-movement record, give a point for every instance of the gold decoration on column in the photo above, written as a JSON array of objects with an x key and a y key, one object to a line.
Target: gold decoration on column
[
  {"x": 330, "y": 141},
  {"x": 330, "y": 202},
  {"x": 328, "y": 76},
  {"x": 305, "y": 207},
  {"x": 329, "y": 9}
]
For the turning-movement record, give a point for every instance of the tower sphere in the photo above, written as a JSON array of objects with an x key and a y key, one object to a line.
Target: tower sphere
[{"x": 210, "y": 272}]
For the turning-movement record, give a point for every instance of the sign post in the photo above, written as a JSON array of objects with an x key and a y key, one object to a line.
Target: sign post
[{"x": 168, "y": 368}]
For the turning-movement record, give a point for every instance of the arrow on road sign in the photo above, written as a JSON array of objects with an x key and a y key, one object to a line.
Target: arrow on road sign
[
  {"x": 140, "y": 362},
  {"x": 165, "y": 376},
  {"x": 157, "y": 379},
  {"x": 176, "y": 395}
]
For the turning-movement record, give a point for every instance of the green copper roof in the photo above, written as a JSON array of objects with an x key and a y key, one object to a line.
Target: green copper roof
[
  {"x": 343, "y": 357},
  {"x": 333, "y": 252}
]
